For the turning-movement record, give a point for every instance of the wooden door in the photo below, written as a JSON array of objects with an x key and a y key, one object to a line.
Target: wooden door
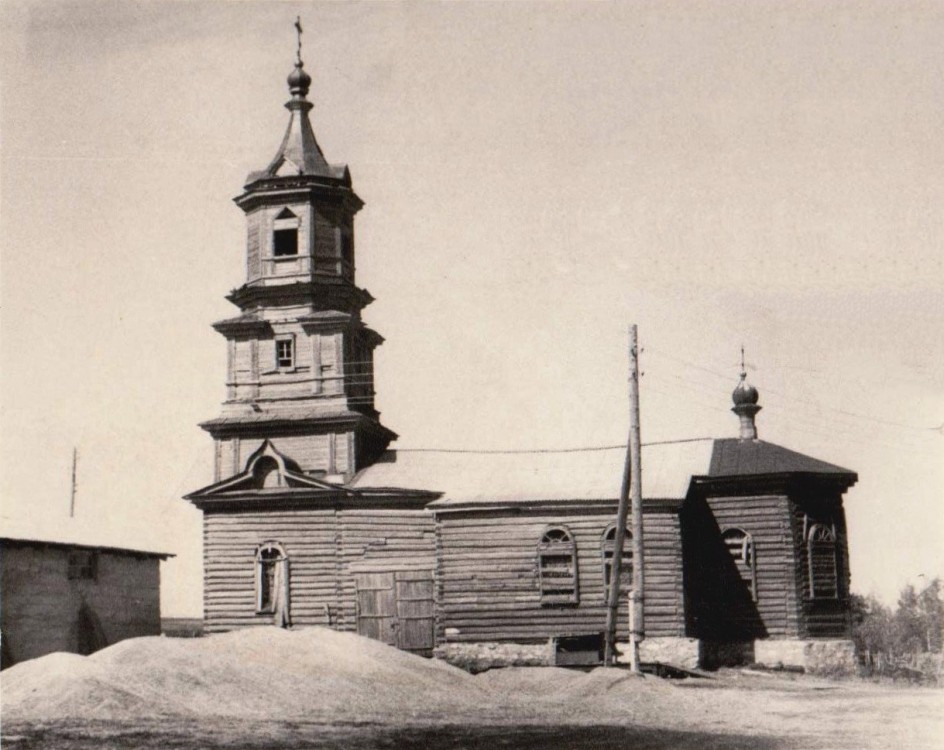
[
  {"x": 377, "y": 606},
  {"x": 415, "y": 611},
  {"x": 397, "y": 608}
]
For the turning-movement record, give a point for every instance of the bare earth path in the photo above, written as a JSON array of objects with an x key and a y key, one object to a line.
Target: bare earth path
[{"x": 320, "y": 689}]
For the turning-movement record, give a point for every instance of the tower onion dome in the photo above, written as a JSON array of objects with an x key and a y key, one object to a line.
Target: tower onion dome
[
  {"x": 299, "y": 81},
  {"x": 744, "y": 392},
  {"x": 299, "y": 155}
]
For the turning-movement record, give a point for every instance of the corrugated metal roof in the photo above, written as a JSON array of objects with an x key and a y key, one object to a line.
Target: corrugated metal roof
[
  {"x": 503, "y": 477},
  {"x": 508, "y": 477}
]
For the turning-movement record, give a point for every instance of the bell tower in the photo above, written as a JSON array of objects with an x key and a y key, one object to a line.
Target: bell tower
[{"x": 300, "y": 358}]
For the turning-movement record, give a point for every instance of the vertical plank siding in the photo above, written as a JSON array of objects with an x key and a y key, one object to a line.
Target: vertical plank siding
[
  {"x": 325, "y": 548},
  {"x": 488, "y": 585},
  {"x": 44, "y": 610}
]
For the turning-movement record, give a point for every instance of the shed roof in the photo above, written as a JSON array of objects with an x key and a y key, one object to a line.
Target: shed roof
[
  {"x": 508, "y": 477},
  {"x": 49, "y": 542}
]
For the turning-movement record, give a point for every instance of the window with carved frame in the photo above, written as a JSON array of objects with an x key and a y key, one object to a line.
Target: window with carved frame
[
  {"x": 822, "y": 558},
  {"x": 740, "y": 546},
  {"x": 557, "y": 567},
  {"x": 271, "y": 578}
]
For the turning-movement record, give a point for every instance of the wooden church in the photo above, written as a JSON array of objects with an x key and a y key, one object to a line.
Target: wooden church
[{"x": 482, "y": 558}]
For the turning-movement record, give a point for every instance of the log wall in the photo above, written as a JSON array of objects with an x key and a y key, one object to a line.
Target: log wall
[
  {"x": 488, "y": 586},
  {"x": 728, "y": 600},
  {"x": 325, "y": 547},
  {"x": 767, "y": 519}
]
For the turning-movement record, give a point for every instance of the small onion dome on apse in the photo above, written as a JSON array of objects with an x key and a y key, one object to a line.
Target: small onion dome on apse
[{"x": 745, "y": 397}]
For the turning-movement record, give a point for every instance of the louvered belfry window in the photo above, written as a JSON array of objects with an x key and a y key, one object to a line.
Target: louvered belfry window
[
  {"x": 557, "y": 567},
  {"x": 821, "y": 551}
]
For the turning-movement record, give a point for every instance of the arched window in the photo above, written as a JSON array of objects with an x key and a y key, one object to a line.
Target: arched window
[
  {"x": 740, "y": 546},
  {"x": 272, "y": 582},
  {"x": 285, "y": 235},
  {"x": 821, "y": 552},
  {"x": 557, "y": 567},
  {"x": 266, "y": 471},
  {"x": 626, "y": 569}
]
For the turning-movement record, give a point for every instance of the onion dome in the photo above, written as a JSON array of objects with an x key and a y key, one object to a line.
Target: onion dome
[
  {"x": 299, "y": 81},
  {"x": 744, "y": 392},
  {"x": 745, "y": 398}
]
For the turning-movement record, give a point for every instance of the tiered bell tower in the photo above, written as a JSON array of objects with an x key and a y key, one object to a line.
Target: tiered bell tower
[{"x": 300, "y": 358}]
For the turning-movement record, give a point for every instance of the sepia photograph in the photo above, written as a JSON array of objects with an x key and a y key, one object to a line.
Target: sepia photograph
[{"x": 508, "y": 374}]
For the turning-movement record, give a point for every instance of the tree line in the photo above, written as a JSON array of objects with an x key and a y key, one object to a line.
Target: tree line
[{"x": 903, "y": 642}]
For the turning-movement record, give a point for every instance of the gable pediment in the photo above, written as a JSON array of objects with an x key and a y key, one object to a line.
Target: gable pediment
[{"x": 267, "y": 471}]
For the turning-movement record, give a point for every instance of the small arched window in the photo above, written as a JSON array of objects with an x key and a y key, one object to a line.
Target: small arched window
[
  {"x": 285, "y": 235},
  {"x": 266, "y": 471},
  {"x": 821, "y": 552},
  {"x": 272, "y": 582},
  {"x": 740, "y": 546},
  {"x": 557, "y": 567},
  {"x": 608, "y": 546}
]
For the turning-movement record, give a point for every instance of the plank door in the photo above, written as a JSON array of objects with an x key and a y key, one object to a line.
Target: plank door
[
  {"x": 397, "y": 609},
  {"x": 415, "y": 611},
  {"x": 377, "y": 606}
]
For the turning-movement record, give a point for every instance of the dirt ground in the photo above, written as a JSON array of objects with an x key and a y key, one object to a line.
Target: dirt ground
[
  {"x": 322, "y": 689},
  {"x": 730, "y": 712}
]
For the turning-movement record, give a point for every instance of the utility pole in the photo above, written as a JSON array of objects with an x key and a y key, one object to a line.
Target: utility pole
[
  {"x": 631, "y": 486},
  {"x": 636, "y": 595},
  {"x": 75, "y": 460}
]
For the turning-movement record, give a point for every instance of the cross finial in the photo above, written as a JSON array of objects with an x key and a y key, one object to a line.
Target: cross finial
[
  {"x": 298, "y": 34},
  {"x": 743, "y": 367}
]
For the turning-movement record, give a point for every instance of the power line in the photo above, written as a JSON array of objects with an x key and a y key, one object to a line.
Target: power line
[
  {"x": 844, "y": 412},
  {"x": 516, "y": 451}
]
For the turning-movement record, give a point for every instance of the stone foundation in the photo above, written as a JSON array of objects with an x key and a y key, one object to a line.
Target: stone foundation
[
  {"x": 827, "y": 657},
  {"x": 478, "y": 657},
  {"x": 679, "y": 652},
  {"x": 715, "y": 654}
]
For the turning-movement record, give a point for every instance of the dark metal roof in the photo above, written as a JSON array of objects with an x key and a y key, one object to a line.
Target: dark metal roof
[
  {"x": 250, "y": 321},
  {"x": 732, "y": 457}
]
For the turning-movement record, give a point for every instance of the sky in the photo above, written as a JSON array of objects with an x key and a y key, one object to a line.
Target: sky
[{"x": 537, "y": 177}]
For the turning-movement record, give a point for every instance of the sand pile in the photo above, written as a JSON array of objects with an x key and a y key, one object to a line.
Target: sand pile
[
  {"x": 605, "y": 696},
  {"x": 315, "y": 674}
]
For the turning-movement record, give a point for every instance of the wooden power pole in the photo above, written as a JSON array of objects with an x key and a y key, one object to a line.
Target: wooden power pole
[
  {"x": 75, "y": 460},
  {"x": 636, "y": 596},
  {"x": 631, "y": 488}
]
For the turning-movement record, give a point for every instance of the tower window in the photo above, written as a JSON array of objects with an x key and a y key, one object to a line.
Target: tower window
[
  {"x": 285, "y": 353},
  {"x": 347, "y": 245},
  {"x": 557, "y": 567},
  {"x": 284, "y": 242}
]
